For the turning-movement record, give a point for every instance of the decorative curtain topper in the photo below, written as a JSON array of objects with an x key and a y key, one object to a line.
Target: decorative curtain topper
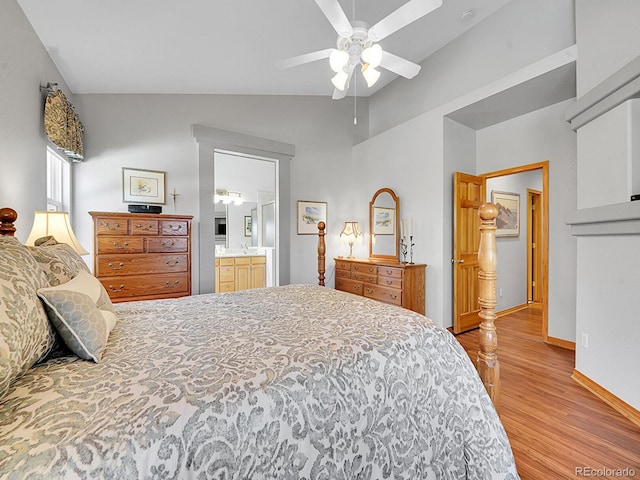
[{"x": 62, "y": 125}]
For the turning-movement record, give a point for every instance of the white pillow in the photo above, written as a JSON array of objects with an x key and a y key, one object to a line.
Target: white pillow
[{"x": 82, "y": 314}]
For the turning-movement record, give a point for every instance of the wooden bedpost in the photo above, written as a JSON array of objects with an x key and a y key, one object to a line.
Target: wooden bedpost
[
  {"x": 487, "y": 362},
  {"x": 321, "y": 252},
  {"x": 7, "y": 218}
]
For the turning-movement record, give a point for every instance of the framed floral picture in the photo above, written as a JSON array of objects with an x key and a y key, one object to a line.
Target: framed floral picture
[
  {"x": 508, "y": 220},
  {"x": 309, "y": 214},
  {"x": 143, "y": 186},
  {"x": 384, "y": 221}
]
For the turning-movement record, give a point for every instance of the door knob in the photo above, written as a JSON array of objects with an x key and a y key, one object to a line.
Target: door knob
[{"x": 453, "y": 260}]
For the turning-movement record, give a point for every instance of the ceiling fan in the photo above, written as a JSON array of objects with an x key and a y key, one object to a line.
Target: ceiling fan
[{"x": 357, "y": 44}]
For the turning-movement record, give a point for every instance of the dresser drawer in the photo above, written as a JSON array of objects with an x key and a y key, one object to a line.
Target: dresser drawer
[
  {"x": 342, "y": 265},
  {"x": 144, "y": 227},
  {"x": 393, "y": 272},
  {"x": 364, "y": 268},
  {"x": 364, "y": 277},
  {"x": 348, "y": 285},
  {"x": 384, "y": 294},
  {"x": 173, "y": 227},
  {"x": 112, "y": 226},
  {"x": 167, "y": 244},
  {"x": 109, "y": 265},
  {"x": 390, "y": 282},
  {"x": 120, "y": 288},
  {"x": 342, "y": 273},
  {"x": 120, "y": 245}
]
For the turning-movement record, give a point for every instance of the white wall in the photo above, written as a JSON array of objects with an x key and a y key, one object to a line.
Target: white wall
[
  {"x": 607, "y": 282},
  {"x": 511, "y": 271},
  {"x": 153, "y": 132},
  {"x": 535, "y": 137},
  {"x": 24, "y": 67}
]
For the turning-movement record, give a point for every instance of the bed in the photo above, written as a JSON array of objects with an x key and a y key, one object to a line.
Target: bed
[{"x": 292, "y": 382}]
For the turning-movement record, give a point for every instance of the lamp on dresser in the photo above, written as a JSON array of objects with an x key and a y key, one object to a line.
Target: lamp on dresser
[
  {"x": 56, "y": 225},
  {"x": 351, "y": 234}
]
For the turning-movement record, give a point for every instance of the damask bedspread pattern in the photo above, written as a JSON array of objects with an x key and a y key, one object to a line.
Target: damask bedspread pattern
[{"x": 287, "y": 382}]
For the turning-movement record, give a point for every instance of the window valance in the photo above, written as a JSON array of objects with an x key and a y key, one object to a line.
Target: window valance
[{"x": 62, "y": 125}]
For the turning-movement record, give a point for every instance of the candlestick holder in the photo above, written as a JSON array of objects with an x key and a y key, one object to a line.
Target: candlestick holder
[
  {"x": 411, "y": 244},
  {"x": 403, "y": 249}
]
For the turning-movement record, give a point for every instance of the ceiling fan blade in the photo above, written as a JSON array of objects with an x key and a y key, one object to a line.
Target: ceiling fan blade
[
  {"x": 336, "y": 16},
  {"x": 399, "y": 65},
  {"x": 403, "y": 16},
  {"x": 305, "y": 58}
]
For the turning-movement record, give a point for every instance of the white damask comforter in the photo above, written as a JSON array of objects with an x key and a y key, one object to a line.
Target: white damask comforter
[{"x": 296, "y": 382}]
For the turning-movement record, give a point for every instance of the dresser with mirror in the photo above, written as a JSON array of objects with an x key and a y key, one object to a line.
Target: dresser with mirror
[{"x": 382, "y": 276}]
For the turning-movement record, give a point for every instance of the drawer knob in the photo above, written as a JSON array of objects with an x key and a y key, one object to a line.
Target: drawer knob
[
  {"x": 172, "y": 263},
  {"x": 356, "y": 287},
  {"x": 108, "y": 226},
  {"x": 124, "y": 245},
  {"x": 148, "y": 227},
  {"x": 389, "y": 272},
  {"x": 113, "y": 267},
  {"x": 369, "y": 291},
  {"x": 168, "y": 244},
  {"x": 393, "y": 297},
  {"x": 116, "y": 290},
  {"x": 172, "y": 284},
  {"x": 175, "y": 228},
  {"x": 389, "y": 282}
]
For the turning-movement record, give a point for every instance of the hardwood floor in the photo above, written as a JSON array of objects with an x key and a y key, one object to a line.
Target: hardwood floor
[{"x": 557, "y": 428}]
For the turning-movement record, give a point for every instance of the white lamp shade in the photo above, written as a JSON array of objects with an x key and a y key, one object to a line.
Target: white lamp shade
[
  {"x": 370, "y": 74},
  {"x": 57, "y": 225},
  {"x": 339, "y": 80},
  {"x": 338, "y": 59},
  {"x": 372, "y": 55},
  {"x": 350, "y": 232}
]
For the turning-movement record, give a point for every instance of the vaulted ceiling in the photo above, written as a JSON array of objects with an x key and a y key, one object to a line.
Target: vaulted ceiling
[{"x": 223, "y": 47}]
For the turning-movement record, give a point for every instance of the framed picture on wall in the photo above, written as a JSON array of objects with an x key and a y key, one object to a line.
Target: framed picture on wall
[
  {"x": 508, "y": 220},
  {"x": 142, "y": 186},
  {"x": 309, "y": 215},
  {"x": 247, "y": 225}
]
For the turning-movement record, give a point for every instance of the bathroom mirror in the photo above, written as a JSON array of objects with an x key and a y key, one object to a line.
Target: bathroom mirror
[{"x": 384, "y": 213}]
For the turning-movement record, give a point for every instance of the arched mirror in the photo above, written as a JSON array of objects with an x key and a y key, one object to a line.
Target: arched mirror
[{"x": 384, "y": 221}]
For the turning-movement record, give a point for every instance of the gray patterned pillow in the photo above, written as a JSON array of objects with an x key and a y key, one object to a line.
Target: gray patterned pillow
[
  {"x": 25, "y": 334},
  {"x": 82, "y": 314},
  {"x": 60, "y": 262}
]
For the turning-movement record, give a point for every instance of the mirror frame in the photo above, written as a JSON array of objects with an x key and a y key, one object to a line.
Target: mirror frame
[{"x": 396, "y": 199}]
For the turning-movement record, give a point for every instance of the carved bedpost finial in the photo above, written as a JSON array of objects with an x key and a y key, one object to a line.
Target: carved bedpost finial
[
  {"x": 487, "y": 362},
  {"x": 7, "y": 218},
  {"x": 321, "y": 252}
]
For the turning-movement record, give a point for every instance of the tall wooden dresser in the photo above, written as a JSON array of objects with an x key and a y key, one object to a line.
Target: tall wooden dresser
[
  {"x": 400, "y": 284},
  {"x": 140, "y": 256}
]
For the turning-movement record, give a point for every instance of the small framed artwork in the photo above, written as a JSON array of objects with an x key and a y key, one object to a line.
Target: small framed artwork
[
  {"x": 384, "y": 221},
  {"x": 142, "y": 186},
  {"x": 247, "y": 225},
  {"x": 309, "y": 215},
  {"x": 508, "y": 220}
]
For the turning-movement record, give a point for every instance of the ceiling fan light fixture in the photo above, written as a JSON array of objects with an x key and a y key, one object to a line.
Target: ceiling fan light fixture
[
  {"x": 372, "y": 55},
  {"x": 339, "y": 80},
  {"x": 338, "y": 59},
  {"x": 370, "y": 74}
]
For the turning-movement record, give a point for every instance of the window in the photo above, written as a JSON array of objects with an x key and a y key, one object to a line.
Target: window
[{"x": 58, "y": 182}]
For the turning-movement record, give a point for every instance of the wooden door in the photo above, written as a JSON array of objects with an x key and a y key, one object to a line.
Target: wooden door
[
  {"x": 468, "y": 196},
  {"x": 258, "y": 274},
  {"x": 534, "y": 246}
]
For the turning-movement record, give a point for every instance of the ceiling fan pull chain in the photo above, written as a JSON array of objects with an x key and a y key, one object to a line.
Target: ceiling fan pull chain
[{"x": 355, "y": 99}]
